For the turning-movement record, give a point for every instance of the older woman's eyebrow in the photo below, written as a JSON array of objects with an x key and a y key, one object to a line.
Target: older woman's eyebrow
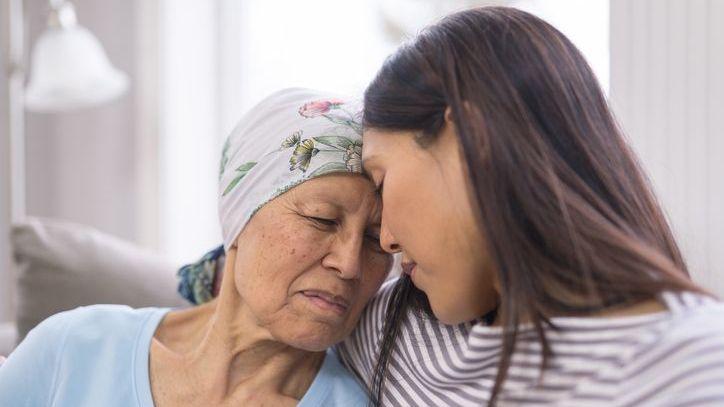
[
  {"x": 320, "y": 198},
  {"x": 317, "y": 202}
]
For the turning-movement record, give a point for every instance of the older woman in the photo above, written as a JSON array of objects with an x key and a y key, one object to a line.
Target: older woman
[{"x": 300, "y": 227}]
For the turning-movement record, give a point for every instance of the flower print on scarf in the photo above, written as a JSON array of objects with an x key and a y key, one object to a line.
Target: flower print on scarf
[
  {"x": 302, "y": 155},
  {"x": 292, "y": 140},
  {"x": 319, "y": 107},
  {"x": 351, "y": 154},
  {"x": 353, "y": 157},
  {"x": 306, "y": 149},
  {"x": 332, "y": 110},
  {"x": 242, "y": 171}
]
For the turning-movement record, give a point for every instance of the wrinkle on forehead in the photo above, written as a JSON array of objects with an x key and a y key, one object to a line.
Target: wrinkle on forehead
[{"x": 341, "y": 191}]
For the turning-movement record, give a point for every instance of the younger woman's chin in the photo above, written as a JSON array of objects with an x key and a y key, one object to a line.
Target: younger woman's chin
[{"x": 453, "y": 315}]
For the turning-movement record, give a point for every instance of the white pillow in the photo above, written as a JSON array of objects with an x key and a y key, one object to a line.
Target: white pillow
[{"x": 64, "y": 265}]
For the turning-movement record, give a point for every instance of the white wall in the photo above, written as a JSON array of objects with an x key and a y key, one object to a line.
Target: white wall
[{"x": 667, "y": 87}]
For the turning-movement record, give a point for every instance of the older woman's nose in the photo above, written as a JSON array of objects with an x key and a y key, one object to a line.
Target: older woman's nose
[
  {"x": 345, "y": 257},
  {"x": 387, "y": 241}
]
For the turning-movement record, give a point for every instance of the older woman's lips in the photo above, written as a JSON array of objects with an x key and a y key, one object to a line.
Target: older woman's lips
[{"x": 327, "y": 301}]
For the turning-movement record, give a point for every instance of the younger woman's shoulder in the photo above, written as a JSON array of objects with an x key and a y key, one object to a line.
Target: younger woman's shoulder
[
  {"x": 684, "y": 363},
  {"x": 695, "y": 315},
  {"x": 695, "y": 329},
  {"x": 694, "y": 326}
]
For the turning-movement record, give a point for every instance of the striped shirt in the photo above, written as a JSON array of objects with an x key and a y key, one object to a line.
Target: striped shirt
[{"x": 669, "y": 358}]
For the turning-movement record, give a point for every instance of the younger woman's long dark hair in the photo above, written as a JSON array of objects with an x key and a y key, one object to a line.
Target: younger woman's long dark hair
[{"x": 571, "y": 223}]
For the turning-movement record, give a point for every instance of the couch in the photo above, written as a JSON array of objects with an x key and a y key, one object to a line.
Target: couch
[{"x": 63, "y": 265}]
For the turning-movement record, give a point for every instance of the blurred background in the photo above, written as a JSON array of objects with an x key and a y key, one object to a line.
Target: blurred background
[{"x": 142, "y": 164}]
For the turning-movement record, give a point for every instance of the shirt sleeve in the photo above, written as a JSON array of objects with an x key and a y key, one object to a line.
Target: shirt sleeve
[
  {"x": 359, "y": 351},
  {"x": 27, "y": 378}
]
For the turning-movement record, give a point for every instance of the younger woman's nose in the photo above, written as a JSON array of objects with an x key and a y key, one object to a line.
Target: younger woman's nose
[{"x": 387, "y": 241}]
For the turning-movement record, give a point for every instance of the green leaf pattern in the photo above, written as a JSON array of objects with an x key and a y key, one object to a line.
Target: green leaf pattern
[
  {"x": 242, "y": 171},
  {"x": 224, "y": 157},
  {"x": 305, "y": 150}
]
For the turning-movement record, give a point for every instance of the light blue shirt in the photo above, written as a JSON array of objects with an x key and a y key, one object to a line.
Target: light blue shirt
[{"x": 98, "y": 356}]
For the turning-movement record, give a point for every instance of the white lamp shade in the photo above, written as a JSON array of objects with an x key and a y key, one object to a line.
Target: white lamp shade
[{"x": 70, "y": 70}]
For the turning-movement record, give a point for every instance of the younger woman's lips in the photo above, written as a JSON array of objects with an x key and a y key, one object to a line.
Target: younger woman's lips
[{"x": 409, "y": 268}]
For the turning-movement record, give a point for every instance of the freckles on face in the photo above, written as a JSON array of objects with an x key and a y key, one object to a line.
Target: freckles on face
[
  {"x": 274, "y": 253},
  {"x": 306, "y": 249}
]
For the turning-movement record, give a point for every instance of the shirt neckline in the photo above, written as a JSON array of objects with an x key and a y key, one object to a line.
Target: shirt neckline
[
  {"x": 141, "y": 357},
  {"x": 317, "y": 391}
]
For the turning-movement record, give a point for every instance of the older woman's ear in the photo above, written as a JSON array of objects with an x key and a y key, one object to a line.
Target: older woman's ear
[{"x": 229, "y": 263}]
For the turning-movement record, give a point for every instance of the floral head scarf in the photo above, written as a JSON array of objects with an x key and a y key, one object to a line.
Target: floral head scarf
[{"x": 290, "y": 137}]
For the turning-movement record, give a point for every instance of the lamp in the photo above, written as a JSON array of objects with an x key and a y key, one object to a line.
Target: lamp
[{"x": 69, "y": 68}]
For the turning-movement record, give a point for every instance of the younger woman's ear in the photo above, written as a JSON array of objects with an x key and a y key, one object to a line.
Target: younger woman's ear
[{"x": 449, "y": 116}]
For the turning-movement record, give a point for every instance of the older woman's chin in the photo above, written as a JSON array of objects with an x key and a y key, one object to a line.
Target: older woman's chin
[
  {"x": 314, "y": 332},
  {"x": 315, "y": 338},
  {"x": 314, "y": 324}
]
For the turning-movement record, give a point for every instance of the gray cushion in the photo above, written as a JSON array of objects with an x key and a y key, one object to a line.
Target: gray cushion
[{"x": 64, "y": 265}]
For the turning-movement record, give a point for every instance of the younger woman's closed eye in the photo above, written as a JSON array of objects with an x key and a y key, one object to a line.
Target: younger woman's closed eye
[{"x": 374, "y": 241}]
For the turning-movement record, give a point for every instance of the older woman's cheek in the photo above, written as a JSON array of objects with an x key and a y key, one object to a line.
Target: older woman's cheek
[{"x": 379, "y": 268}]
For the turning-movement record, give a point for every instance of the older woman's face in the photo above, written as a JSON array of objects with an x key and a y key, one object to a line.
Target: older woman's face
[{"x": 308, "y": 261}]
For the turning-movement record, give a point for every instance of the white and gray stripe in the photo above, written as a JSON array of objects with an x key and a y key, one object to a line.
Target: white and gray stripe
[{"x": 671, "y": 358}]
